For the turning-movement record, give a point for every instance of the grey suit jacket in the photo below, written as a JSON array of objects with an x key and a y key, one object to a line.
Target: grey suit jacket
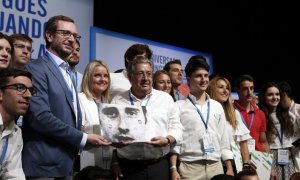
[{"x": 51, "y": 135}]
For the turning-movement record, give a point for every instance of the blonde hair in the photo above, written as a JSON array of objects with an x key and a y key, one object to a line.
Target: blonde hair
[
  {"x": 228, "y": 105},
  {"x": 86, "y": 84}
]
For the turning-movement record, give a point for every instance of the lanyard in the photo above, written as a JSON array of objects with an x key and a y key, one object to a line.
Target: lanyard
[
  {"x": 143, "y": 107},
  {"x": 279, "y": 135},
  {"x": 200, "y": 114},
  {"x": 244, "y": 121},
  {"x": 98, "y": 107},
  {"x": 98, "y": 104},
  {"x": 68, "y": 72},
  {"x": 4, "y": 150}
]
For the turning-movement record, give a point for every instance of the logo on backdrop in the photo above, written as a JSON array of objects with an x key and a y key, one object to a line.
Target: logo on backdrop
[
  {"x": 24, "y": 16},
  {"x": 159, "y": 61}
]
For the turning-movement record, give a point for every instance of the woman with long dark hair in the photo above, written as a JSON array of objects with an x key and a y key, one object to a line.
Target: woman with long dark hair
[{"x": 280, "y": 130}]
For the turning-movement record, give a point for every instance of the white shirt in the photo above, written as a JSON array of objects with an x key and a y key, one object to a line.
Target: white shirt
[
  {"x": 119, "y": 83},
  {"x": 12, "y": 165},
  {"x": 286, "y": 142},
  {"x": 90, "y": 119},
  {"x": 162, "y": 120},
  {"x": 293, "y": 112},
  {"x": 194, "y": 129},
  {"x": 294, "y": 108}
]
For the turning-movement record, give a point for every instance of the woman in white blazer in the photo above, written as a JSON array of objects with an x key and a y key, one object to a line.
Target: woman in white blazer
[{"x": 94, "y": 91}]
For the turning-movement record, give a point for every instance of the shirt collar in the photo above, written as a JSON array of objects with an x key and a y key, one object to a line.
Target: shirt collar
[
  {"x": 241, "y": 108},
  {"x": 57, "y": 60},
  {"x": 194, "y": 99},
  {"x": 137, "y": 99},
  {"x": 9, "y": 130}
]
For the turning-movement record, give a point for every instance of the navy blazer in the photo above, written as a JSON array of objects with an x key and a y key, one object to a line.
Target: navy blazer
[{"x": 51, "y": 136}]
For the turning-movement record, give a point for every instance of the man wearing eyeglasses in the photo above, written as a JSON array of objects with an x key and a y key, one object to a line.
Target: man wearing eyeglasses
[
  {"x": 16, "y": 92},
  {"x": 21, "y": 56},
  {"x": 147, "y": 160},
  {"x": 119, "y": 80},
  {"x": 22, "y": 50},
  {"x": 51, "y": 129}
]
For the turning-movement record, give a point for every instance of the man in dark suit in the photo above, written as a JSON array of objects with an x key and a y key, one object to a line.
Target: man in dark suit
[{"x": 51, "y": 130}]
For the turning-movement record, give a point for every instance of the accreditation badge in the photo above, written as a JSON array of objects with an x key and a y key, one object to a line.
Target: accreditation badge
[
  {"x": 106, "y": 153},
  {"x": 251, "y": 145},
  {"x": 208, "y": 143},
  {"x": 283, "y": 157}
]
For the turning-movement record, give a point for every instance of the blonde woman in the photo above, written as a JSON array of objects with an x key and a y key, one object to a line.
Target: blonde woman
[
  {"x": 219, "y": 89},
  {"x": 94, "y": 91}
]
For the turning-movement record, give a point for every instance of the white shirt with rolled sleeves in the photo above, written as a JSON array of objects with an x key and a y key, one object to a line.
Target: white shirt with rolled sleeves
[
  {"x": 294, "y": 113},
  {"x": 191, "y": 148},
  {"x": 162, "y": 120}
]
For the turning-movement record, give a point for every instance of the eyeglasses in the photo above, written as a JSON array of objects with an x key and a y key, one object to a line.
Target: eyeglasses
[
  {"x": 22, "y": 46},
  {"x": 141, "y": 74},
  {"x": 67, "y": 34},
  {"x": 21, "y": 88}
]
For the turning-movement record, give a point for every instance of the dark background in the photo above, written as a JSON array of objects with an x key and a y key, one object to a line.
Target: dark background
[{"x": 247, "y": 37}]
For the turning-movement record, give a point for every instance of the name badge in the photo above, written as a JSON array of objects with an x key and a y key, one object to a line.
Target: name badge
[
  {"x": 237, "y": 157},
  {"x": 106, "y": 153},
  {"x": 208, "y": 143},
  {"x": 283, "y": 157},
  {"x": 251, "y": 145}
]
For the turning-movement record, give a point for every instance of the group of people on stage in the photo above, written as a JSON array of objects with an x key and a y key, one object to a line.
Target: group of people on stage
[{"x": 50, "y": 116}]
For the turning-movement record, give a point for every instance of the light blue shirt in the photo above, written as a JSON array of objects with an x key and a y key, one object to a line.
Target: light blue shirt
[{"x": 64, "y": 69}]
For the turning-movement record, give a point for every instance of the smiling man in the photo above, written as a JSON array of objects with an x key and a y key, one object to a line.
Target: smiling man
[
  {"x": 120, "y": 81},
  {"x": 148, "y": 160},
  {"x": 52, "y": 135},
  {"x": 174, "y": 68},
  {"x": 15, "y": 94},
  {"x": 205, "y": 139}
]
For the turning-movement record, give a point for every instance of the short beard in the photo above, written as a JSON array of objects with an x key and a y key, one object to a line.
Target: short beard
[
  {"x": 63, "y": 54},
  {"x": 72, "y": 63}
]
